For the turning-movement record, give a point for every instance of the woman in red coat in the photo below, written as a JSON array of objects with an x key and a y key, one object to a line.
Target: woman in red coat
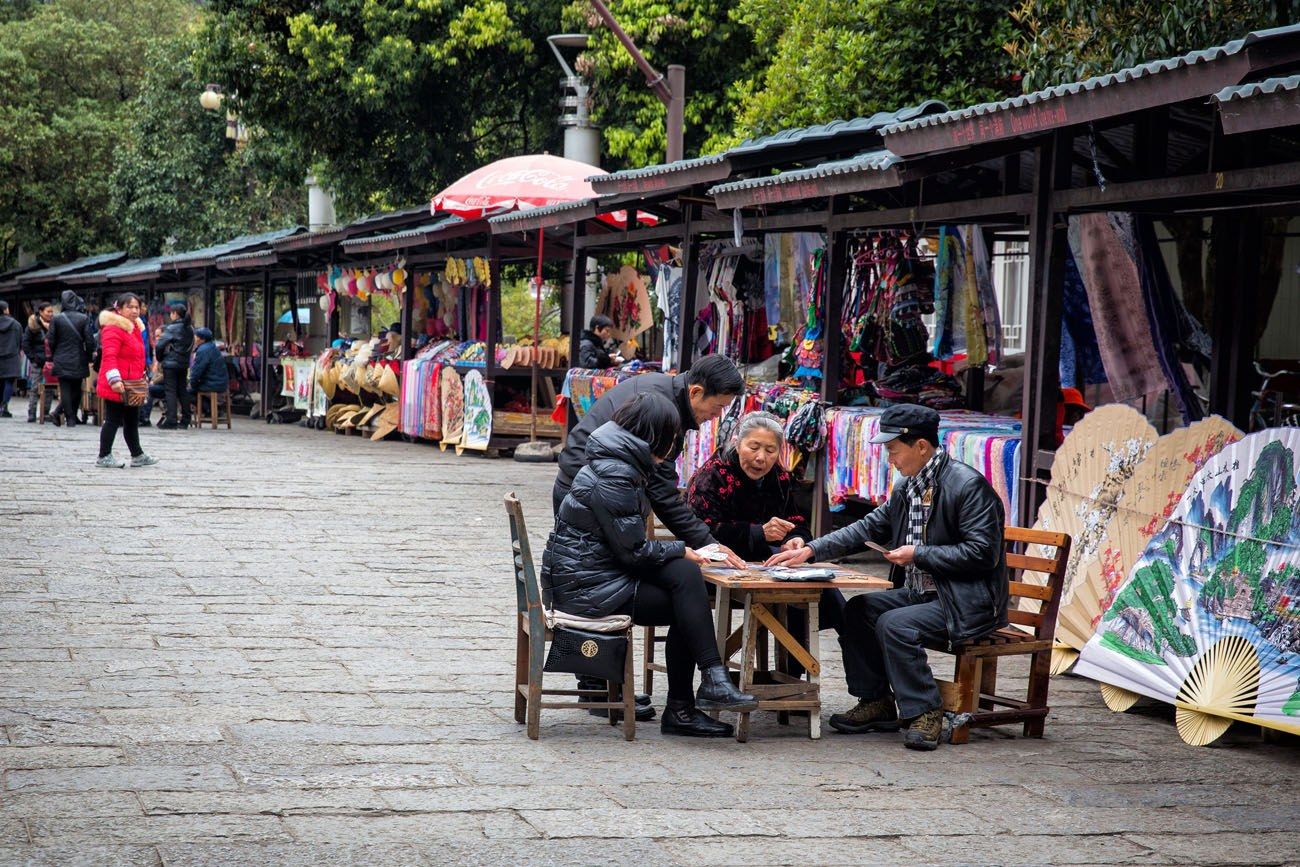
[{"x": 121, "y": 357}]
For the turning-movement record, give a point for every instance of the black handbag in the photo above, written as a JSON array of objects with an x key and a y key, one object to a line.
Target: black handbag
[{"x": 594, "y": 654}]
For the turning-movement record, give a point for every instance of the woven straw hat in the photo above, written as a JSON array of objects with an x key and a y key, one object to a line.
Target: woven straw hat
[{"x": 388, "y": 382}]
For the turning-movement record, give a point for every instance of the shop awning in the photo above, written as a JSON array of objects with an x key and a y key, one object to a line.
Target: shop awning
[
  {"x": 1149, "y": 85},
  {"x": 1267, "y": 104},
  {"x": 874, "y": 170},
  {"x": 808, "y": 142}
]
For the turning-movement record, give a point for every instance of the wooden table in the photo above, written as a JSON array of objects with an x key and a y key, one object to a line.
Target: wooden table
[{"x": 764, "y": 602}]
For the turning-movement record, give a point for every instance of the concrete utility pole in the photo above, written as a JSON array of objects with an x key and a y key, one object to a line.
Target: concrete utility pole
[{"x": 671, "y": 89}]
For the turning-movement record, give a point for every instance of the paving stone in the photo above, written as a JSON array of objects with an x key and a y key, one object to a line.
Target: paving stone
[
  {"x": 17, "y": 805},
  {"x": 842, "y": 850},
  {"x": 316, "y": 733},
  {"x": 121, "y": 778},
  {"x": 1229, "y": 848},
  {"x": 64, "y": 733},
  {"x": 153, "y": 829},
  {"x": 1025, "y": 850},
  {"x": 291, "y": 855},
  {"x": 274, "y": 802},
  {"x": 386, "y": 829},
  {"x": 80, "y": 855}
]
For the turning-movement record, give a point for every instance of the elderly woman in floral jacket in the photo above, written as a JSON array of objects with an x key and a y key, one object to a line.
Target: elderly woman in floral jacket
[{"x": 746, "y": 498}]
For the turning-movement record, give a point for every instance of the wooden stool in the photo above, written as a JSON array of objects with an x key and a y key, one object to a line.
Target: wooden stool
[
  {"x": 42, "y": 400},
  {"x": 218, "y": 408},
  {"x": 92, "y": 405}
]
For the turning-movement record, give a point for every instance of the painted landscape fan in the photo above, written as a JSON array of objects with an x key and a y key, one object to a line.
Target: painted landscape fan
[
  {"x": 1144, "y": 504},
  {"x": 1209, "y": 617},
  {"x": 1088, "y": 475},
  {"x": 451, "y": 392}
]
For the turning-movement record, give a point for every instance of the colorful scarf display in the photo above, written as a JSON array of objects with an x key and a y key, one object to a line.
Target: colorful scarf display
[{"x": 856, "y": 468}]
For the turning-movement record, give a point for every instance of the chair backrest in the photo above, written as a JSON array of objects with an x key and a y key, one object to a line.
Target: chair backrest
[
  {"x": 528, "y": 594},
  {"x": 1017, "y": 539}
]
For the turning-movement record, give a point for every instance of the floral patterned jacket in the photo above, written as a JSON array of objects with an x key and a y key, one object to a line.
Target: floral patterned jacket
[{"x": 735, "y": 507}]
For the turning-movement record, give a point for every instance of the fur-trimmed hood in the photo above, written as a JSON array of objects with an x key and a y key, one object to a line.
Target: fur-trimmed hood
[
  {"x": 108, "y": 317},
  {"x": 35, "y": 325}
]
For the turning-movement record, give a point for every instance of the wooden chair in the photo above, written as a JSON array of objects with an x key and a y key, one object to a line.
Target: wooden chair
[
  {"x": 531, "y": 636},
  {"x": 976, "y": 665},
  {"x": 218, "y": 403},
  {"x": 43, "y": 401}
]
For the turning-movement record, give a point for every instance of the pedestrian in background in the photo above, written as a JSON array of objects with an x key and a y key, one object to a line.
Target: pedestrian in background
[
  {"x": 34, "y": 339},
  {"x": 173, "y": 354},
  {"x": 208, "y": 373},
  {"x": 121, "y": 362},
  {"x": 72, "y": 340},
  {"x": 11, "y": 365}
]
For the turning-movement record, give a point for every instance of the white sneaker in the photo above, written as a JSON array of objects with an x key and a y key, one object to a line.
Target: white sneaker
[
  {"x": 143, "y": 460},
  {"x": 110, "y": 462}
]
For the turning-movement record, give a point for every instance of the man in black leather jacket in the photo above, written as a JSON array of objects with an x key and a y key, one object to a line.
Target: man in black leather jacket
[
  {"x": 943, "y": 527},
  {"x": 172, "y": 353}
]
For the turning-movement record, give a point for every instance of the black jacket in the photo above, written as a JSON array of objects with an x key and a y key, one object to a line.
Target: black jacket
[
  {"x": 600, "y": 531},
  {"x": 208, "y": 373},
  {"x": 34, "y": 343},
  {"x": 592, "y": 354},
  {"x": 963, "y": 547},
  {"x": 662, "y": 483},
  {"x": 72, "y": 338},
  {"x": 11, "y": 343},
  {"x": 175, "y": 344}
]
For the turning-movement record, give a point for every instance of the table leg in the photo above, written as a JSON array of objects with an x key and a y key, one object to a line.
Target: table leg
[
  {"x": 748, "y": 649},
  {"x": 722, "y": 620},
  {"x": 814, "y": 676}
]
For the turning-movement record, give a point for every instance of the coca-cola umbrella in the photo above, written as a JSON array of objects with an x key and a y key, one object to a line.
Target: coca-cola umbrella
[{"x": 521, "y": 183}]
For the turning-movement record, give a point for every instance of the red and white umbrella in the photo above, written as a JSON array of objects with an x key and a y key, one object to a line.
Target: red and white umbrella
[{"x": 520, "y": 183}]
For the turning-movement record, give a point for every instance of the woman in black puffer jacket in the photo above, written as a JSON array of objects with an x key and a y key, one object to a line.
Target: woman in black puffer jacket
[{"x": 599, "y": 562}]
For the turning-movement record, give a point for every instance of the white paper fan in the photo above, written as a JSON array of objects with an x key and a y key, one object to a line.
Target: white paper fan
[
  {"x": 1209, "y": 617},
  {"x": 1088, "y": 475},
  {"x": 1144, "y": 504}
]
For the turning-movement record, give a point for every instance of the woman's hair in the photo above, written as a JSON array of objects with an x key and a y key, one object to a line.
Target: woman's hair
[
  {"x": 652, "y": 418},
  {"x": 756, "y": 421},
  {"x": 125, "y": 298},
  {"x": 598, "y": 322},
  {"x": 40, "y": 305}
]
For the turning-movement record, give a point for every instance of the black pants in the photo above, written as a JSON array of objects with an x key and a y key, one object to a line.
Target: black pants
[
  {"x": 69, "y": 400},
  {"x": 675, "y": 596},
  {"x": 881, "y": 643},
  {"x": 118, "y": 414},
  {"x": 174, "y": 392}
]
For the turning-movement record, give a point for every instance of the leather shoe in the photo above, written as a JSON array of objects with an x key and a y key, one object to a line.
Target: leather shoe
[
  {"x": 717, "y": 692},
  {"x": 644, "y": 713},
  {"x": 687, "y": 720}
]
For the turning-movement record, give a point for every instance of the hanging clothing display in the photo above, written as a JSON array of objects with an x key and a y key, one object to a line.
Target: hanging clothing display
[
  {"x": 1080, "y": 355},
  {"x": 477, "y": 414},
  {"x": 856, "y": 468},
  {"x": 967, "y": 320},
  {"x": 1104, "y": 247}
]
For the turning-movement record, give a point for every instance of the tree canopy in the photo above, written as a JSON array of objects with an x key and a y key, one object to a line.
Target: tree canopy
[
  {"x": 388, "y": 100},
  {"x": 69, "y": 70}
]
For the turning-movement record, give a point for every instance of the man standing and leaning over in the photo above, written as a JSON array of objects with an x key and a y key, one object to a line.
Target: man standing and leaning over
[
  {"x": 943, "y": 526},
  {"x": 701, "y": 394},
  {"x": 172, "y": 352}
]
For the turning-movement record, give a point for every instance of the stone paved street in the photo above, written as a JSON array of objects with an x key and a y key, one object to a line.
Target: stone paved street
[{"x": 281, "y": 646}]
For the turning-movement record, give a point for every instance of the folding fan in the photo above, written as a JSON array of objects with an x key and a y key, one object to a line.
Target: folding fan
[
  {"x": 1144, "y": 503},
  {"x": 477, "y": 421},
  {"x": 452, "y": 394},
  {"x": 1209, "y": 617},
  {"x": 1101, "y": 453}
]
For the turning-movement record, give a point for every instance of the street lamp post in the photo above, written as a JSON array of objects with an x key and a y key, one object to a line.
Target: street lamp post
[{"x": 670, "y": 89}]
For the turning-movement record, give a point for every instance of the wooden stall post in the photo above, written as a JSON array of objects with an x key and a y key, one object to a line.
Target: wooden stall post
[
  {"x": 832, "y": 312},
  {"x": 577, "y": 311},
  {"x": 1237, "y": 244},
  {"x": 1047, "y": 250},
  {"x": 690, "y": 291},
  {"x": 494, "y": 314},
  {"x": 408, "y": 315},
  {"x": 268, "y": 336}
]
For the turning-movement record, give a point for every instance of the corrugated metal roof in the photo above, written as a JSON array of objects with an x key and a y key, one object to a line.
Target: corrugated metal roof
[
  {"x": 1132, "y": 73},
  {"x": 413, "y": 232},
  {"x": 234, "y": 245},
  {"x": 84, "y": 263},
  {"x": 531, "y": 213},
  {"x": 130, "y": 268},
  {"x": 871, "y": 161},
  {"x": 660, "y": 169},
  {"x": 825, "y": 131},
  {"x": 787, "y": 138},
  {"x": 268, "y": 253},
  {"x": 1258, "y": 88}
]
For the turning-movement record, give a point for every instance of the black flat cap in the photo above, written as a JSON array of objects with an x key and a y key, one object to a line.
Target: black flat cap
[{"x": 907, "y": 418}]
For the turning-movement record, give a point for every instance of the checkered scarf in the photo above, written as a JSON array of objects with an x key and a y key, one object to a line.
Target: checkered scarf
[{"x": 917, "y": 580}]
